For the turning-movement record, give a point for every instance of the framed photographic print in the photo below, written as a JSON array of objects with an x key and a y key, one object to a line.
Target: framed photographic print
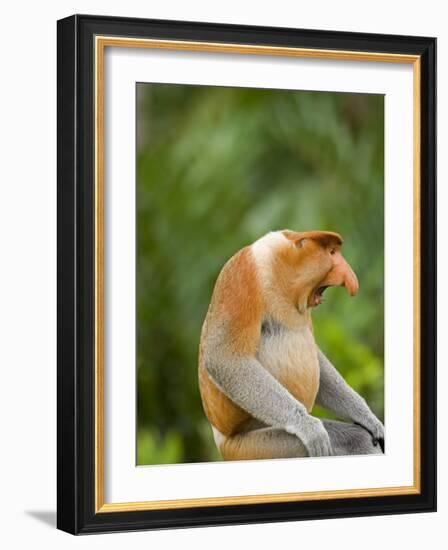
[{"x": 217, "y": 184}]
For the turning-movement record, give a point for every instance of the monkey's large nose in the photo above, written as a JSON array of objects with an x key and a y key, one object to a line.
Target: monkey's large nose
[
  {"x": 351, "y": 282},
  {"x": 342, "y": 275},
  {"x": 349, "y": 279}
]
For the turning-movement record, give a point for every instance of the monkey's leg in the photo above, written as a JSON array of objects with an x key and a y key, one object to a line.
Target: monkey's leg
[
  {"x": 350, "y": 439},
  {"x": 264, "y": 443},
  {"x": 267, "y": 443}
]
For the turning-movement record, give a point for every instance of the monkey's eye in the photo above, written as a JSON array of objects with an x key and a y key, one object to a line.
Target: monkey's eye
[{"x": 333, "y": 251}]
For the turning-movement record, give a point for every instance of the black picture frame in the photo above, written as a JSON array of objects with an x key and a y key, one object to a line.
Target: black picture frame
[{"x": 76, "y": 255}]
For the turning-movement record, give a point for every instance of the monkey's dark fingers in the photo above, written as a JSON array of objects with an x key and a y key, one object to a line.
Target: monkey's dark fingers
[
  {"x": 379, "y": 441},
  {"x": 375, "y": 440}
]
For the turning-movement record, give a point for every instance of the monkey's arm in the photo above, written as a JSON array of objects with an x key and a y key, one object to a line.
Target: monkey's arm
[
  {"x": 337, "y": 396},
  {"x": 248, "y": 384}
]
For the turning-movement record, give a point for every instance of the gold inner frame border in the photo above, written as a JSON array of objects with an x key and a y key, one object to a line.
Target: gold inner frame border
[{"x": 100, "y": 44}]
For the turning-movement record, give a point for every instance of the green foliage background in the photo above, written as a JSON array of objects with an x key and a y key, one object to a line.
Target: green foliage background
[{"x": 216, "y": 169}]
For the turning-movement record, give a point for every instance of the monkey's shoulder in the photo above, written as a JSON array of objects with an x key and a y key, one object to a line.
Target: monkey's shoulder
[{"x": 233, "y": 317}]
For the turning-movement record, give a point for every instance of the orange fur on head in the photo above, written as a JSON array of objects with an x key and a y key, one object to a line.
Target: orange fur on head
[{"x": 318, "y": 263}]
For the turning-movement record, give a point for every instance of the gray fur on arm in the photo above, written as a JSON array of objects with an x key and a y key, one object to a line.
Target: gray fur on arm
[{"x": 338, "y": 397}]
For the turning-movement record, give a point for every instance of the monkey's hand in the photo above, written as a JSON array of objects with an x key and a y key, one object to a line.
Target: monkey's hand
[
  {"x": 313, "y": 435},
  {"x": 374, "y": 427}
]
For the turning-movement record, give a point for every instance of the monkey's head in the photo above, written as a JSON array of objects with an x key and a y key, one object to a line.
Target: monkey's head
[{"x": 309, "y": 263}]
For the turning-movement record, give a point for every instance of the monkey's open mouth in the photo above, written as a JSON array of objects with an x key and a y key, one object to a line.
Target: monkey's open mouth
[{"x": 316, "y": 297}]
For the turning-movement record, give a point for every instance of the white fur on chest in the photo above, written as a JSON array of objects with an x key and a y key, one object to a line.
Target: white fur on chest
[
  {"x": 290, "y": 355},
  {"x": 291, "y": 348}
]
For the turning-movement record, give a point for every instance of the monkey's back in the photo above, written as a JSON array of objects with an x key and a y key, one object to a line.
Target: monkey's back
[{"x": 230, "y": 327}]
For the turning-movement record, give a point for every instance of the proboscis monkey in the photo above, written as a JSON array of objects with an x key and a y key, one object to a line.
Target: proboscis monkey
[{"x": 260, "y": 370}]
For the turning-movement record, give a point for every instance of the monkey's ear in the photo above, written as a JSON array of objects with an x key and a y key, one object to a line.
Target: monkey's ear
[{"x": 297, "y": 239}]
